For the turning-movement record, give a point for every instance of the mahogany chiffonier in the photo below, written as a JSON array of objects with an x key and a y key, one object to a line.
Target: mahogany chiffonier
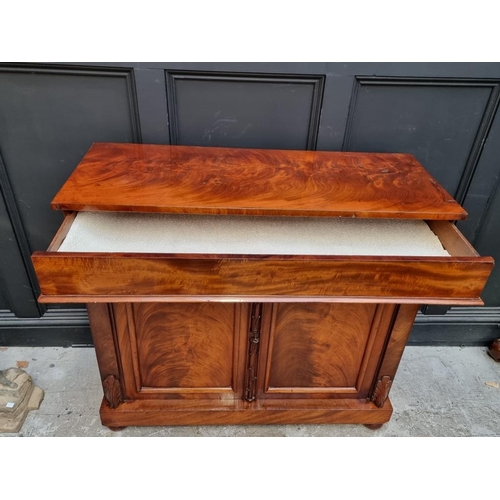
[{"x": 245, "y": 286}]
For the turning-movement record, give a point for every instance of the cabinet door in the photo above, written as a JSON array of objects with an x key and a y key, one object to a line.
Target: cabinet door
[
  {"x": 321, "y": 350},
  {"x": 182, "y": 350}
]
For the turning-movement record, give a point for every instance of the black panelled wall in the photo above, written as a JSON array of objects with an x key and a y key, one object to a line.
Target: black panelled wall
[{"x": 445, "y": 114}]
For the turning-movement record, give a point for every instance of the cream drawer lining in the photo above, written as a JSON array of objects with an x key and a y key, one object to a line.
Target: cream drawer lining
[{"x": 168, "y": 233}]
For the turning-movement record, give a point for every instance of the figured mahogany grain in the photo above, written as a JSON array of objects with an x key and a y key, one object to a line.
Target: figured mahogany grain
[
  {"x": 185, "y": 345},
  {"x": 315, "y": 350},
  {"x": 421, "y": 278},
  {"x": 182, "y": 350},
  {"x": 189, "y": 179},
  {"x": 318, "y": 345},
  {"x": 173, "y": 351}
]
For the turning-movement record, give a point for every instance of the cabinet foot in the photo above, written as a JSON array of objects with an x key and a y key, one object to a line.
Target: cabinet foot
[
  {"x": 373, "y": 427},
  {"x": 494, "y": 350},
  {"x": 116, "y": 429}
]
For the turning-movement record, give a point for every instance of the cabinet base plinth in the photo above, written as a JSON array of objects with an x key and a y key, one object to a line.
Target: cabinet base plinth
[{"x": 277, "y": 411}]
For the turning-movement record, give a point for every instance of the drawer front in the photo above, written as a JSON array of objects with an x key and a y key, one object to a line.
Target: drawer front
[
  {"x": 71, "y": 277},
  {"x": 132, "y": 277}
]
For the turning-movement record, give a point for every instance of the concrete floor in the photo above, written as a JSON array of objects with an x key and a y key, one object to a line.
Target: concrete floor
[{"x": 438, "y": 391}]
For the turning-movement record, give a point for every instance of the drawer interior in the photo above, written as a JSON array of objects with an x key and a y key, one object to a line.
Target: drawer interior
[
  {"x": 159, "y": 257},
  {"x": 119, "y": 232}
]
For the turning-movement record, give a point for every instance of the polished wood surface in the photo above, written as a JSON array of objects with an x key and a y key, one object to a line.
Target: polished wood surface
[
  {"x": 397, "y": 339},
  {"x": 84, "y": 277},
  {"x": 184, "y": 345},
  {"x": 103, "y": 335},
  {"x": 452, "y": 239},
  {"x": 193, "y": 350},
  {"x": 322, "y": 350},
  {"x": 189, "y": 179},
  {"x": 165, "y": 380},
  {"x": 288, "y": 411},
  {"x": 102, "y": 326},
  {"x": 197, "y": 339},
  {"x": 92, "y": 275},
  {"x": 317, "y": 346},
  {"x": 116, "y": 299}
]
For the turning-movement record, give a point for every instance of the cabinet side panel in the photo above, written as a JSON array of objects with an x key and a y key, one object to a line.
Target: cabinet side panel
[
  {"x": 100, "y": 318},
  {"x": 103, "y": 327},
  {"x": 397, "y": 340}
]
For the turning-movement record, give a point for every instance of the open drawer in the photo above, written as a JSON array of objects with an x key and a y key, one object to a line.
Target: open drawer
[{"x": 92, "y": 274}]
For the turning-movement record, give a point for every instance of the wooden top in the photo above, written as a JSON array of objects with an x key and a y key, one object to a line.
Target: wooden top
[{"x": 189, "y": 179}]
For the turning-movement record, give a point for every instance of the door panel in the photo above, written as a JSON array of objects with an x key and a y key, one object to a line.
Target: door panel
[
  {"x": 183, "y": 350},
  {"x": 322, "y": 350}
]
